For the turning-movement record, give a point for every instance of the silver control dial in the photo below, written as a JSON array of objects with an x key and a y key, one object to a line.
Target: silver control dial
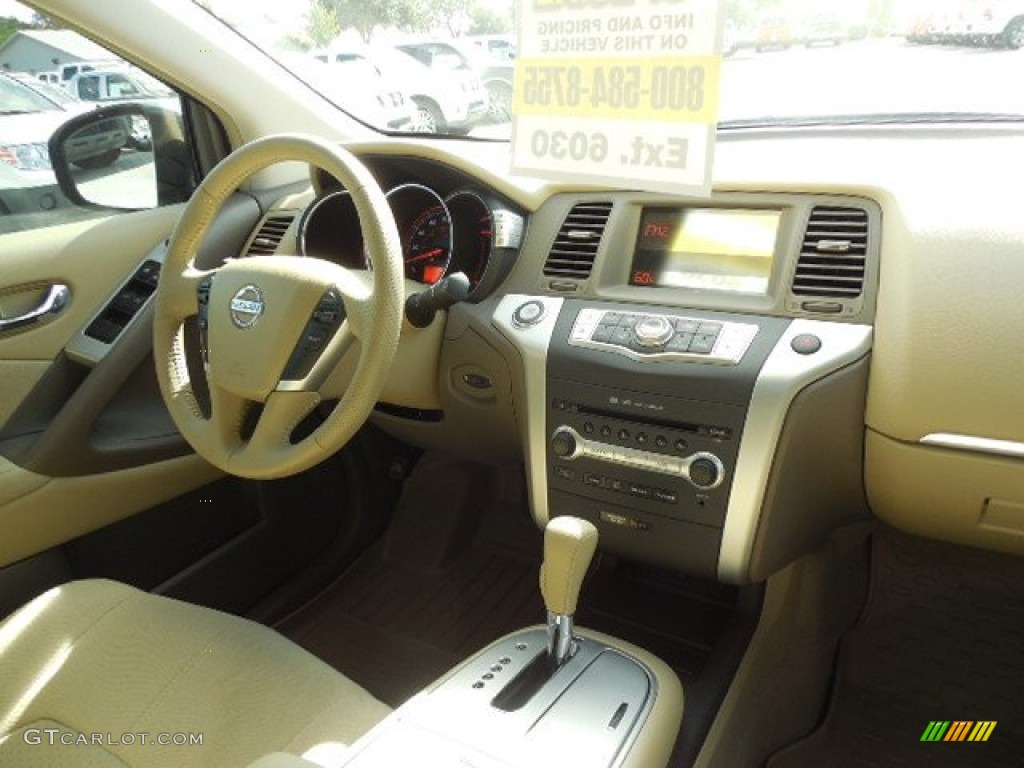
[
  {"x": 564, "y": 443},
  {"x": 653, "y": 331}
]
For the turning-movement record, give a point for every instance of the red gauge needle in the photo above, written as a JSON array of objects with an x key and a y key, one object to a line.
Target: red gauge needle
[{"x": 426, "y": 255}]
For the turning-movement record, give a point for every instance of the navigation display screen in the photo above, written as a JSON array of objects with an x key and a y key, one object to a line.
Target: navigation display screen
[{"x": 711, "y": 249}]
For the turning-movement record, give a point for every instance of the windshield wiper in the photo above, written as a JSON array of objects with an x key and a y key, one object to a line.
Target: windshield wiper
[
  {"x": 15, "y": 111},
  {"x": 893, "y": 118}
]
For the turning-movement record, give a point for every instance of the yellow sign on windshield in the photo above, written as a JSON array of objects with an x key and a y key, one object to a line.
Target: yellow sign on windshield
[{"x": 622, "y": 92}]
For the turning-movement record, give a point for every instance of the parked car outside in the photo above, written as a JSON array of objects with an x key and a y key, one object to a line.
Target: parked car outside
[
  {"x": 824, "y": 29},
  {"x": 495, "y": 74},
  {"x": 502, "y": 47},
  {"x": 113, "y": 85},
  {"x": 68, "y": 71},
  {"x": 53, "y": 92},
  {"x": 443, "y": 103},
  {"x": 997, "y": 24},
  {"x": 357, "y": 86},
  {"x": 774, "y": 34}
]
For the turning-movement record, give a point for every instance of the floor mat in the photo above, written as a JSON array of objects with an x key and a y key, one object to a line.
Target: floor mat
[
  {"x": 941, "y": 640},
  {"x": 458, "y": 569},
  {"x": 451, "y": 576}
]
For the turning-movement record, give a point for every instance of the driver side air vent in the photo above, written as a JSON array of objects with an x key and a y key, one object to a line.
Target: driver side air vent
[
  {"x": 575, "y": 247},
  {"x": 270, "y": 235},
  {"x": 833, "y": 254}
]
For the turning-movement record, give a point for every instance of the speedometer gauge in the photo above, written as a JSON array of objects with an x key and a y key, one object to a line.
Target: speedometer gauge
[{"x": 428, "y": 246}]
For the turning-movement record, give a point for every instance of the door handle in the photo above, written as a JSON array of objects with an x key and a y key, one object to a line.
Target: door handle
[{"x": 53, "y": 303}]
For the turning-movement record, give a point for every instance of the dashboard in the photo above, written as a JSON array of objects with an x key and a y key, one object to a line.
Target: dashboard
[{"x": 715, "y": 383}]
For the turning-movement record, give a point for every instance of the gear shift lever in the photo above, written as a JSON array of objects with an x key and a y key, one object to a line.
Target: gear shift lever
[{"x": 569, "y": 545}]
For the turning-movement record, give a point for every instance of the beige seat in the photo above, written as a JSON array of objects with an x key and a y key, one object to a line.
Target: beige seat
[{"x": 103, "y": 663}]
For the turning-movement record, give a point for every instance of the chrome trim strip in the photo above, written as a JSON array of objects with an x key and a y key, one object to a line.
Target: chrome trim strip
[
  {"x": 657, "y": 463},
  {"x": 783, "y": 375},
  {"x": 532, "y": 343},
  {"x": 984, "y": 445}
]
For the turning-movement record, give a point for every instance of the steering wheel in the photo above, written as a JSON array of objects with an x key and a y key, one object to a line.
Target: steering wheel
[{"x": 273, "y": 327}]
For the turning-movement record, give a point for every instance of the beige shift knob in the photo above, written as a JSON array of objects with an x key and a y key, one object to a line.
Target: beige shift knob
[{"x": 569, "y": 546}]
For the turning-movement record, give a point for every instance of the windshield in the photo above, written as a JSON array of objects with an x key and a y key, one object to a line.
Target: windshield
[
  {"x": 448, "y": 66},
  {"x": 784, "y": 61}
]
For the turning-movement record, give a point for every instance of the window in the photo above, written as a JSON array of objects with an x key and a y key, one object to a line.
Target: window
[{"x": 118, "y": 156}]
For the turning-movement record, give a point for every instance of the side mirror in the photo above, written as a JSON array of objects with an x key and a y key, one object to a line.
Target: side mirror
[{"x": 124, "y": 157}]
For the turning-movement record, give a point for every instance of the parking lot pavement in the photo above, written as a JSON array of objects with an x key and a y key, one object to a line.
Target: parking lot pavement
[{"x": 873, "y": 77}]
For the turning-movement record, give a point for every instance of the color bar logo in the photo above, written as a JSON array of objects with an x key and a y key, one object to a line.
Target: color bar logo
[{"x": 958, "y": 730}]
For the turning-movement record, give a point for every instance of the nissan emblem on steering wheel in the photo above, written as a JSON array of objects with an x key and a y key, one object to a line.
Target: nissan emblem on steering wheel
[{"x": 246, "y": 306}]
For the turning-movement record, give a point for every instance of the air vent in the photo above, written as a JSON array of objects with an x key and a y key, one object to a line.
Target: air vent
[
  {"x": 833, "y": 254},
  {"x": 270, "y": 235},
  {"x": 576, "y": 244}
]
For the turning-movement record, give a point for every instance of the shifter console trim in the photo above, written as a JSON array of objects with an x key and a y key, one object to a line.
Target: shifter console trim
[{"x": 590, "y": 711}]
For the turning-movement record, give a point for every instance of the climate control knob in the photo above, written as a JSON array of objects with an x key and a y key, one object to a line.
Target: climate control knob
[
  {"x": 564, "y": 443},
  {"x": 653, "y": 331},
  {"x": 706, "y": 471}
]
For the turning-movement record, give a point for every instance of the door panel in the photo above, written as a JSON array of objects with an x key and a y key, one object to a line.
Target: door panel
[
  {"x": 50, "y": 404},
  {"x": 91, "y": 258}
]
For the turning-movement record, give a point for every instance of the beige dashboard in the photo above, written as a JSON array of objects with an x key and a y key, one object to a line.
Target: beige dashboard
[{"x": 944, "y": 423}]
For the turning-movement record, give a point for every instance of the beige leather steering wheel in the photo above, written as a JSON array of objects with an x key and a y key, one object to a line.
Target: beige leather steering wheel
[{"x": 276, "y": 326}]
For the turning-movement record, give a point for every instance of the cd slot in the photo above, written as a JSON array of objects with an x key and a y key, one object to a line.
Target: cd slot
[{"x": 706, "y": 430}]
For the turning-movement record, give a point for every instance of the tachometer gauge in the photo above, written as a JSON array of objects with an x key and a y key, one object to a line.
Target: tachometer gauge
[
  {"x": 428, "y": 246},
  {"x": 473, "y": 228}
]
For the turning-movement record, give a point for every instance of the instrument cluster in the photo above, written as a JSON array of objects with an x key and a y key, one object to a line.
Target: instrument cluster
[{"x": 440, "y": 235}]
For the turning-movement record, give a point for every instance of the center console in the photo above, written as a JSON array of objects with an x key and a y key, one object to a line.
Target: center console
[
  {"x": 543, "y": 696},
  {"x": 666, "y": 446}
]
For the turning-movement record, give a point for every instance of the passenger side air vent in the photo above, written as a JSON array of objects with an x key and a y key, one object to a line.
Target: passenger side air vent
[
  {"x": 270, "y": 235},
  {"x": 575, "y": 246},
  {"x": 833, "y": 254}
]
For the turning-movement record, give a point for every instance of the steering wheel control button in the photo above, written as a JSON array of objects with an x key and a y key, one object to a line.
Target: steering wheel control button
[
  {"x": 805, "y": 344},
  {"x": 331, "y": 310},
  {"x": 529, "y": 314}
]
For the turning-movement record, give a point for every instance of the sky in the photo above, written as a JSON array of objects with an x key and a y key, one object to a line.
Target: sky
[{"x": 17, "y": 10}]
